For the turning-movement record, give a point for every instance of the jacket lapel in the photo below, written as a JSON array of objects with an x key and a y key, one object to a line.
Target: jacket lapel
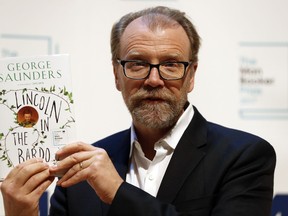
[
  {"x": 120, "y": 154},
  {"x": 187, "y": 155},
  {"x": 118, "y": 150}
]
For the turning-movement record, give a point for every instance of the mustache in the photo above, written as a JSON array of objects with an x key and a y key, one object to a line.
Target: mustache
[{"x": 152, "y": 94}]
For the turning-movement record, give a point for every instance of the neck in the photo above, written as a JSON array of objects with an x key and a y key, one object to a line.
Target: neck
[{"x": 147, "y": 137}]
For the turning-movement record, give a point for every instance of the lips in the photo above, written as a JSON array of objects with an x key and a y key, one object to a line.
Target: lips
[
  {"x": 153, "y": 100},
  {"x": 151, "y": 97}
]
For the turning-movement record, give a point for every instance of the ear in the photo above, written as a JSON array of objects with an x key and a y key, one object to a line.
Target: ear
[
  {"x": 116, "y": 76},
  {"x": 192, "y": 72}
]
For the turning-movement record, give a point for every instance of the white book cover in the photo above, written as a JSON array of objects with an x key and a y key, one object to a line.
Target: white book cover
[{"x": 36, "y": 109}]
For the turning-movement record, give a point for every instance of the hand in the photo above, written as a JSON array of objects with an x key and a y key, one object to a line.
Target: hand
[
  {"x": 80, "y": 161},
  {"x": 23, "y": 187}
]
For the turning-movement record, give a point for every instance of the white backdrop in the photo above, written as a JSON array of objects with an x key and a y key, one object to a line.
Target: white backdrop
[{"x": 253, "y": 30}]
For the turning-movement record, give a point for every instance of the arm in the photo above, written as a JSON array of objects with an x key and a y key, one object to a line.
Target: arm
[
  {"x": 130, "y": 200},
  {"x": 247, "y": 188},
  {"x": 244, "y": 187}
]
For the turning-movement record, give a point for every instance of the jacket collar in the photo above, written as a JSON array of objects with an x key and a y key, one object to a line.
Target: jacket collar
[{"x": 188, "y": 151}]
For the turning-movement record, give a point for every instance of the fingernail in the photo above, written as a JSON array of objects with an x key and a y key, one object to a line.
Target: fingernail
[{"x": 56, "y": 157}]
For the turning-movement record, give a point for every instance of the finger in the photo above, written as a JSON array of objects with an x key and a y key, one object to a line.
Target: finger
[
  {"x": 23, "y": 172},
  {"x": 29, "y": 177},
  {"x": 69, "y": 174},
  {"x": 73, "y": 148},
  {"x": 69, "y": 162},
  {"x": 42, "y": 187},
  {"x": 74, "y": 179},
  {"x": 19, "y": 186},
  {"x": 20, "y": 167},
  {"x": 37, "y": 179},
  {"x": 97, "y": 160},
  {"x": 82, "y": 163}
]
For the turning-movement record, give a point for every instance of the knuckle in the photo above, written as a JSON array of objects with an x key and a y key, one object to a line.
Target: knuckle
[
  {"x": 101, "y": 152},
  {"x": 19, "y": 166},
  {"x": 11, "y": 194},
  {"x": 94, "y": 166},
  {"x": 74, "y": 158},
  {"x": 24, "y": 169},
  {"x": 75, "y": 168},
  {"x": 39, "y": 177},
  {"x": 5, "y": 189},
  {"x": 80, "y": 145},
  {"x": 34, "y": 178}
]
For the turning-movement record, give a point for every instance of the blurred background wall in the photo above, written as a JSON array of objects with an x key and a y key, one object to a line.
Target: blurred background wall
[{"x": 241, "y": 81}]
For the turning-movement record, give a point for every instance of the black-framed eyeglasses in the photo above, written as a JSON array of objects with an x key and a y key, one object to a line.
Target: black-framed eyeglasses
[{"x": 138, "y": 70}]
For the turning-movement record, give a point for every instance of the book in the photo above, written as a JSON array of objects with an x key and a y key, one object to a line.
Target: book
[{"x": 36, "y": 109}]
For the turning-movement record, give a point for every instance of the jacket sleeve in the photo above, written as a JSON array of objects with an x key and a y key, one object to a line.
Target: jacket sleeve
[
  {"x": 245, "y": 189},
  {"x": 58, "y": 202},
  {"x": 131, "y": 200}
]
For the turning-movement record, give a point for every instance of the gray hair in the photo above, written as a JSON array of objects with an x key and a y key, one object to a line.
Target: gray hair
[{"x": 156, "y": 17}]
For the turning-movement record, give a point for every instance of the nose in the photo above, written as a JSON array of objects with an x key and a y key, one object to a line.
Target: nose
[{"x": 154, "y": 79}]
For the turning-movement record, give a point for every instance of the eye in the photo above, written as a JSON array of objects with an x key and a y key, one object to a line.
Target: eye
[
  {"x": 170, "y": 67},
  {"x": 170, "y": 64},
  {"x": 136, "y": 65}
]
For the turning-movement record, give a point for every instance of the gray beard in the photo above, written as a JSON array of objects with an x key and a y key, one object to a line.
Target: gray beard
[{"x": 160, "y": 115}]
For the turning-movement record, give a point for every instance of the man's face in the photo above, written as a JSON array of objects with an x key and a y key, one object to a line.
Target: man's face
[
  {"x": 154, "y": 102},
  {"x": 27, "y": 117}
]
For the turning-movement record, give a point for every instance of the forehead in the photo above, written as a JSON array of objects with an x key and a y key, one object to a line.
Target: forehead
[{"x": 140, "y": 38}]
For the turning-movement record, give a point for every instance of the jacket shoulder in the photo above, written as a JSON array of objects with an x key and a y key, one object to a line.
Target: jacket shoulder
[
  {"x": 117, "y": 145},
  {"x": 106, "y": 141},
  {"x": 237, "y": 140}
]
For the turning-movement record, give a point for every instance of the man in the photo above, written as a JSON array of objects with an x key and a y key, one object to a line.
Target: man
[
  {"x": 171, "y": 161},
  {"x": 27, "y": 119}
]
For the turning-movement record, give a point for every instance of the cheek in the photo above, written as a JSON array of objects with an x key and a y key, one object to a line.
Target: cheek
[
  {"x": 180, "y": 89},
  {"x": 129, "y": 87},
  {"x": 175, "y": 87}
]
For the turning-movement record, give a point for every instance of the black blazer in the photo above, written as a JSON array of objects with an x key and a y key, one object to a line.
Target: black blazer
[{"x": 214, "y": 171}]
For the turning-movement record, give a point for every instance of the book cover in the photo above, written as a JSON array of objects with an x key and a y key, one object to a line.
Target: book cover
[{"x": 36, "y": 109}]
